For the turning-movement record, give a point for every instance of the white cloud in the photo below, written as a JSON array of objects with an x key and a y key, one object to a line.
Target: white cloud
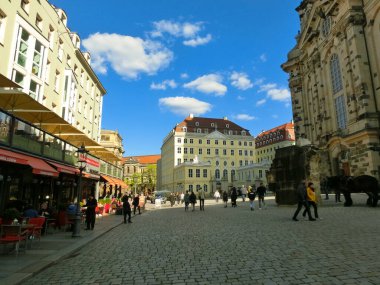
[
  {"x": 240, "y": 80},
  {"x": 176, "y": 29},
  {"x": 275, "y": 93},
  {"x": 279, "y": 94},
  {"x": 275, "y": 116},
  {"x": 261, "y": 102},
  {"x": 188, "y": 31},
  {"x": 240, "y": 97},
  {"x": 185, "y": 105},
  {"x": 263, "y": 57},
  {"x": 198, "y": 41},
  {"x": 128, "y": 56},
  {"x": 163, "y": 85},
  {"x": 210, "y": 83},
  {"x": 244, "y": 117},
  {"x": 184, "y": 75}
]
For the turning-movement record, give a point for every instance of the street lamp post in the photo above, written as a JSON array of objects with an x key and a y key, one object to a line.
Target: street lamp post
[
  {"x": 82, "y": 155},
  {"x": 135, "y": 179}
]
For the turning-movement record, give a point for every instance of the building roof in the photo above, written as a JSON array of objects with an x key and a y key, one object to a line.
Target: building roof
[
  {"x": 287, "y": 126},
  {"x": 143, "y": 159},
  {"x": 194, "y": 123}
]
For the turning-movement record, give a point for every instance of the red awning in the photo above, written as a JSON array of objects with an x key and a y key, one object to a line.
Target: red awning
[
  {"x": 64, "y": 168},
  {"x": 120, "y": 183},
  {"x": 39, "y": 166},
  {"x": 108, "y": 179}
]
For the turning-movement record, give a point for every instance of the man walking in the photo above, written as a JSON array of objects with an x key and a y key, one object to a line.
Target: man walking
[
  {"x": 251, "y": 197},
  {"x": 301, "y": 196},
  {"x": 90, "y": 212},
  {"x": 201, "y": 195},
  {"x": 126, "y": 209},
  {"x": 243, "y": 192},
  {"x": 261, "y": 191}
]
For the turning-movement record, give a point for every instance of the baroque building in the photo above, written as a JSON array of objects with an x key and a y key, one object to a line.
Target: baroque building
[
  {"x": 204, "y": 152},
  {"x": 268, "y": 141},
  {"x": 335, "y": 83}
]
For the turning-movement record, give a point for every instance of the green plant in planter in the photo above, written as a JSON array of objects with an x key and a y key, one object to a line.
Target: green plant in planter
[{"x": 10, "y": 214}]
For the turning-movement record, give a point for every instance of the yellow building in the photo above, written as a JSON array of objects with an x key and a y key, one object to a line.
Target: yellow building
[
  {"x": 268, "y": 141},
  {"x": 40, "y": 53},
  {"x": 204, "y": 152},
  {"x": 335, "y": 87},
  {"x": 113, "y": 142}
]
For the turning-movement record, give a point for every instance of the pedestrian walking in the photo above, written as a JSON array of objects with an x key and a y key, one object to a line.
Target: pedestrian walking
[
  {"x": 302, "y": 202},
  {"x": 141, "y": 202},
  {"x": 90, "y": 212},
  {"x": 217, "y": 196},
  {"x": 182, "y": 197},
  {"x": 186, "y": 199},
  {"x": 201, "y": 196},
  {"x": 243, "y": 192},
  {"x": 233, "y": 197},
  {"x": 126, "y": 209},
  {"x": 311, "y": 199},
  {"x": 251, "y": 197},
  {"x": 136, "y": 204},
  {"x": 225, "y": 198},
  {"x": 193, "y": 199},
  {"x": 325, "y": 187},
  {"x": 261, "y": 191}
]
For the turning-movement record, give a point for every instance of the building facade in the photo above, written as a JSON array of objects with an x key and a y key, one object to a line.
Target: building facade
[
  {"x": 141, "y": 171},
  {"x": 50, "y": 106},
  {"x": 253, "y": 174},
  {"x": 204, "y": 152},
  {"x": 333, "y": 77},
  {"x": 40, "y": 53},
  {"x": 113, "y": 142},
  {"x": 268, "y": 141}
]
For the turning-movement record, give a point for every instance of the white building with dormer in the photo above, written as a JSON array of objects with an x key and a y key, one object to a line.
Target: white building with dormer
[{"x": 204, "y": 152}]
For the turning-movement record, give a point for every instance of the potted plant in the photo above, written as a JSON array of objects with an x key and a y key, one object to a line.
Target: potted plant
[{"x": 10, "y": 214}]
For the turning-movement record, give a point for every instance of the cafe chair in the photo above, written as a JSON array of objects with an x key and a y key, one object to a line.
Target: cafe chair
[
  {"x": 38, "y": 227},
  {"x": 13, "y": 234}
]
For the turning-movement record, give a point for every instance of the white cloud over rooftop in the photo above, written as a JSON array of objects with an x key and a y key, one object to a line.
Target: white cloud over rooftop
[
  {"x": 184, "y": 105},
  {"x": 209, "y": 84}
]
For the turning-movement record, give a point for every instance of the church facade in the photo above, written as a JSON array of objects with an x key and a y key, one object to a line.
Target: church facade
[{"x": 335, "y": 83}]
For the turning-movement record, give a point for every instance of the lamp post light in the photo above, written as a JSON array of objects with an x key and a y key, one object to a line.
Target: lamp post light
[{"x": 82, "y": 155}]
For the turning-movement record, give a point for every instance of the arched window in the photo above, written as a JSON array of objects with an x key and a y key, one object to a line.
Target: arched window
[
  {"x": 217, "y": 174},
  {"x": 326, "y": 26},
  {"x": 225, "y": 173},
  {"x": 336, "y": 76},
  {"x": 232, "y": 175}
]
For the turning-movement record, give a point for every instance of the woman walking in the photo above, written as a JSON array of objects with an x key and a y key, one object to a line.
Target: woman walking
[
  {"x": 311, "y": 199},
  {"x": 193, "y": 199},
  {"x": 225, "y": 198}
]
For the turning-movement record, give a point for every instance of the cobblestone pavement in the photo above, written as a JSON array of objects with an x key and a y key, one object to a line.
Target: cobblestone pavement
[{"x": 231, "y": 246}]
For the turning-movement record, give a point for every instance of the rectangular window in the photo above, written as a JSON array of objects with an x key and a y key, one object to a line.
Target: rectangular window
[
  {"x": 191, "y": 188},
  {"x": 191, "y": 140},
  {"x": 200, "y": 141},
  {"x": 191, "y": 150},
  {"x": 224, "y": 143},
  {"x": 232, "y": 152},
  {"x": 179, "y": 140},
  {"x": 37, "y": 59},
  {"x": 246, "y": 152},
  {"x": 216, "y": 151},
  {"x": 205, "y": 188},
  {"x": 56, "y": 81},
  {"x": 204, "y": 173},
  {"x": 240, "y": 163},
  {"x": 224, "y": 152},
  {"x": 179, "y": 150},
  {"x": 178, "y": 161},
  {"x": 185, "y": 150},
  {"x": 251, "y": 152},
  {"x": 208, "y": 142},
  {"x": 216, "y": 142},
  {"x": 197, "y": 173},
  {"x": 232, "y": 142},
  {"x": 3, "y": 19},
  {"x": 208, "y": 151},
  {"x": 200, "y": 151},
  {"x": 23, "y": 48},
  {"x": 190, "y": 173},
  {"x": 240, "y": 152},
  {"x": 185, "y": 141},
  {"x": 340, "y": 108}
]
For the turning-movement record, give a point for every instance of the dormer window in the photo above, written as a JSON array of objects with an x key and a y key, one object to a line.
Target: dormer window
[
  {"x": 227, "y": 126},
  {"x": 212, "y": 124},
  {"x": 25, "y": 5},
  {"x": 184, "y": 129},
  {"x": 199, "y": 130},
  {"x": 243, "y": 133},
  {"x": 197, "y": 124},
  {"x": 39, "y": 22}
]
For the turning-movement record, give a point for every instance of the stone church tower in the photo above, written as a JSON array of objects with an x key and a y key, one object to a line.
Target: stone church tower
[{"x": 334, "y": 78}]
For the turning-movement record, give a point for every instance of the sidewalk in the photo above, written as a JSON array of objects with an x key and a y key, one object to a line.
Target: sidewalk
[{"x": 52, "y": 248}]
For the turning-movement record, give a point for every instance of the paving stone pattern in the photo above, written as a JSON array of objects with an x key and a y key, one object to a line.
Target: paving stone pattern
[{"x": 231, "y": 246}]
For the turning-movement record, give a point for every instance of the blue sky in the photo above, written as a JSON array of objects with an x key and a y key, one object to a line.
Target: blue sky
[{"x": 160, "y": 60}]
